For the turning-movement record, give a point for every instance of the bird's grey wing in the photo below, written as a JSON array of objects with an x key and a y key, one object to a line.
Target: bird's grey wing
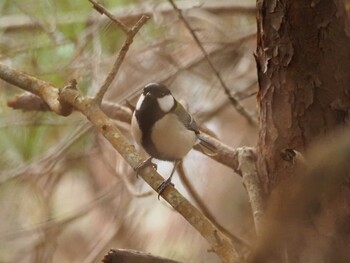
[
  {"x": 186, "y": 118},
  {"x": 190, "y": 124}
]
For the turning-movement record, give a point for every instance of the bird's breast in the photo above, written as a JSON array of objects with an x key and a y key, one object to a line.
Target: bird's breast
[{"x": 171, "y": 139}]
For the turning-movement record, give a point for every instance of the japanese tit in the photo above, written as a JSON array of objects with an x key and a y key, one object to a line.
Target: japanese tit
[{"x": 162, "y": 126}]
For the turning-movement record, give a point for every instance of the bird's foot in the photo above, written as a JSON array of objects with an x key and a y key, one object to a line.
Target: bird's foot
[
  {"x": 143, "y": 165},
  {"x": 163, "y": 186}
]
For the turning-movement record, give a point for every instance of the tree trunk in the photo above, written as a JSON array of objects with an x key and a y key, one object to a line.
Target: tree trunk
[{"x": 303, "y": 61}]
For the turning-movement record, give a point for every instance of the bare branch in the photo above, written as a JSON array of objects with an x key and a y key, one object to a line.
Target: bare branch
[
  {"x": 247, "y": 168},
  {"x": 130, "y": 34},
  {"x": 99, "y": 8},
  {"x": 202, "y": 206},
  {"x": 241, "y": 160},
  {"x": 41, "y": 88},
  {"x": 128, "y": 255},
  {"x": 235, "y": 102},
  {"x": 30, "y": 102},
  {"x": 120, "y": 58},
  {"x": 225, "y": 154},
  {"x": 117, "y": 111},
  {"x": 221, "y": 244},
  {"x": 62, "y": 101}
]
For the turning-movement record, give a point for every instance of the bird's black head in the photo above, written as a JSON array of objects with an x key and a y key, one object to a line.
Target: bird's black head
[
  {"x": 154, "y": 103},
  {"x": 156, "y": 90}
]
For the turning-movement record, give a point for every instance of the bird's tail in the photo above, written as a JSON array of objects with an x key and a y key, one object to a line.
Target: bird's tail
[{"x": 210, "y": 148}]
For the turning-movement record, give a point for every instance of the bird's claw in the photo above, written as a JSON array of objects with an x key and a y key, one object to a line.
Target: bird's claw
[
  {"x": 163, "y": 186},
  {"x": 143, "y": 165}
]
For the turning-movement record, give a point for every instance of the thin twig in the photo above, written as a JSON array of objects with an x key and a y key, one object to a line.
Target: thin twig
[
  {"x": 103, "y": 11},
  {"x": 120, "y": 58},
  {"x": 234, "y": 101},
  {"x": 197, "y": 199},
  {"x": 130, "y": 34}
]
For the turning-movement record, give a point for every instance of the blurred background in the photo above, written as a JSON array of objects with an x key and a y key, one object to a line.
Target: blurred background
[{"x": 65, "y": 194}]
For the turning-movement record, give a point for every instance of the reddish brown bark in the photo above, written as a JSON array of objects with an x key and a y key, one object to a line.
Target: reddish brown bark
[
  {"x": 303, "y": 60},
  {"x": 304, "y": 56}
]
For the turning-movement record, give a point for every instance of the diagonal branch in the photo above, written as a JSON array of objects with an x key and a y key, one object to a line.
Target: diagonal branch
[
  {"x": 241, "y": 160},
  {"x": 220, "y": 243},
  {"x": 233, "y": 100}
]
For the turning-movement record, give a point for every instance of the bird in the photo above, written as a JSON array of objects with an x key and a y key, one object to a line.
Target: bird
[{"x": 163, "y": 127}]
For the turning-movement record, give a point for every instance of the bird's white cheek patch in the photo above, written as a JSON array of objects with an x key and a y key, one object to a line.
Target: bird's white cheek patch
[
  {"x": 139, "y": 102},
  {"x": 166, "y": 103}
]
